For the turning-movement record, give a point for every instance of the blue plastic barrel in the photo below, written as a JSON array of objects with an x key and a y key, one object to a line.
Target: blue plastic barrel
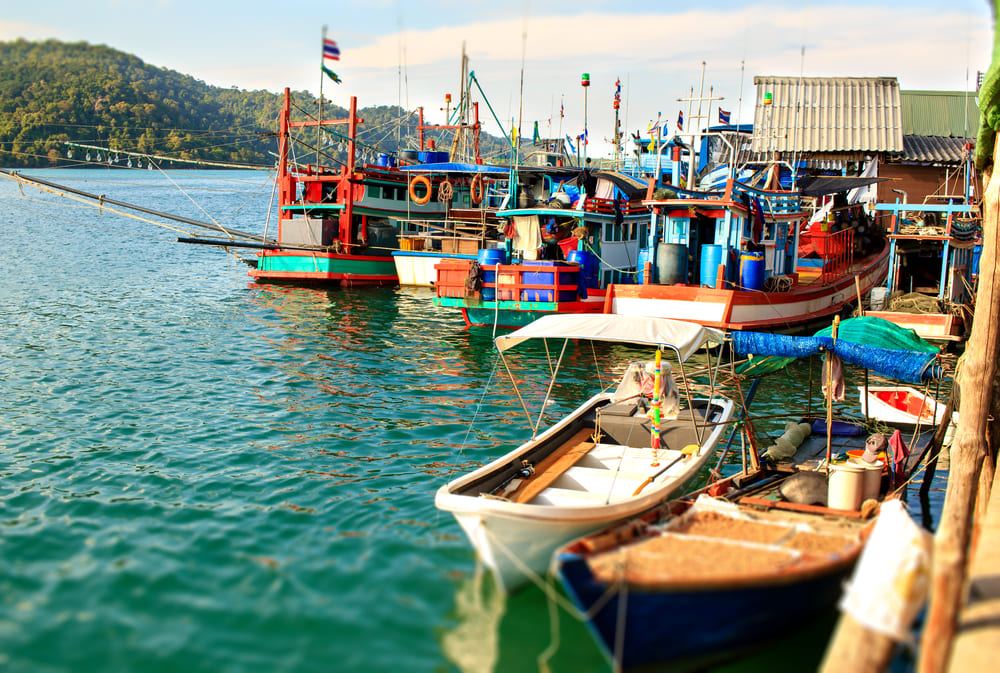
[
  {"x": 752, "y": 270},
  {"x": 711, "y": 258},
  {"x": 588, "y": 266},
  {"x": 671, "y": 263},
  {"x": 488, "y": 259}
]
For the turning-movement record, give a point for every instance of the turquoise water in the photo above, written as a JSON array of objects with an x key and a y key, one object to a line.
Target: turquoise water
[{"x": 203, "y": 475}]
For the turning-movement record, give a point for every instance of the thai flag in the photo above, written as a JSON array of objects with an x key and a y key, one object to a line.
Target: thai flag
[
  {"x": 331, "y": 50},
  {"x": 680, "y": 120},
  {"x": 723, "y": 116}
]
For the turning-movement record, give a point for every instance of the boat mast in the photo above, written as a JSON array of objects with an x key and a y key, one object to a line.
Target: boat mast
[{"x": 322, "y": 76}]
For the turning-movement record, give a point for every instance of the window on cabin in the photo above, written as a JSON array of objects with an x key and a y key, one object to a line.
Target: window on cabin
[{"x": 374, "y": 192}]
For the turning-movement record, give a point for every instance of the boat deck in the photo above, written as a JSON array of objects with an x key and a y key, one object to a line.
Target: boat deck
[{"x": 812, "y": 452}]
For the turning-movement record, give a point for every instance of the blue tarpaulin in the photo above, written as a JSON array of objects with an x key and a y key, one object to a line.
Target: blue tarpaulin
[{"x": 902, "y": 365}]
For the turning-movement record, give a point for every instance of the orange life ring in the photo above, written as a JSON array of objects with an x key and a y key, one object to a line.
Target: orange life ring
[
  {"x": 476, "y": 189},
  {"x": 420, "y": 180}
]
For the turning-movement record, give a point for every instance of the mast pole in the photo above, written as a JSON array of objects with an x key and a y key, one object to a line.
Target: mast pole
[{"x": 322, "y": 76}]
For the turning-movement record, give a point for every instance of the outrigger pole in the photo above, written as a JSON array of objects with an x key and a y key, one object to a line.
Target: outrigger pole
[{"x": 238, "y": 238}]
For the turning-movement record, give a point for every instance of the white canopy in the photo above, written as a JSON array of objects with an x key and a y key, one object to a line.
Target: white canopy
[{"x": 684, "y": 337}]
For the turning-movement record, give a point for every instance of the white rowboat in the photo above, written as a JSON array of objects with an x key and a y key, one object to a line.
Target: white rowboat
[{"x": 594, "y": 467}]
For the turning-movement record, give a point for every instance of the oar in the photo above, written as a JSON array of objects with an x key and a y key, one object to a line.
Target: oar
[{"x": 685, "y": 452}]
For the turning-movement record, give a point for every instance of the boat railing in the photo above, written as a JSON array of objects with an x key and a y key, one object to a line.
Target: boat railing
[
  {"x": 541, "y": 281},
  {"x": 835, "y": 249},
  {"x": 607, "y": 206}
]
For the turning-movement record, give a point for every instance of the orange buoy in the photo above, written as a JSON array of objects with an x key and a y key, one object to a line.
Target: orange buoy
[
  {"x": 476, "y": 189},
  {"x": 420, "y": 180}
]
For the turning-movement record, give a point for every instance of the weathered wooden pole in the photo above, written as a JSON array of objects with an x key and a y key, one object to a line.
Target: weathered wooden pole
[{"x": 970, "y": 449}]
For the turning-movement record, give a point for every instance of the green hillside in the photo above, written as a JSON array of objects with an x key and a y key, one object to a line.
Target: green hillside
[{"x": 52, "y": 92}]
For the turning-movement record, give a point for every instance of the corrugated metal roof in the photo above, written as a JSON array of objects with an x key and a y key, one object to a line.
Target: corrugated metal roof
[
  {"x": 933, "y": 150},
  {"x": 828, "y": 114},
  {"x": 948, "y": 114}
]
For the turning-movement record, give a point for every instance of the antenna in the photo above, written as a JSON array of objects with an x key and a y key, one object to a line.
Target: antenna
[{"x": 693, "y": 121}]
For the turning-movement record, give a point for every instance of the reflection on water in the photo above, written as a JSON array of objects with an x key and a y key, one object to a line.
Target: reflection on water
[{"x": 474, "y": 643}]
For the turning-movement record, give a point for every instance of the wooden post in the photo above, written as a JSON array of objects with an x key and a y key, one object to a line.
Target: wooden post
[
  {"x": 855, "y": 648},
  {"x": 828, "y": 379},
  {"x": 970, "y": 449}
]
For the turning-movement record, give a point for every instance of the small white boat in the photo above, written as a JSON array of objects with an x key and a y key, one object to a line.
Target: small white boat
[
  {"x": 596, "y": 466},
  {"x": 902, "y": 405}
]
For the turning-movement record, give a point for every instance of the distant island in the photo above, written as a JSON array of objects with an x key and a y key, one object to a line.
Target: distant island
[{"x": 54, "y": 92}]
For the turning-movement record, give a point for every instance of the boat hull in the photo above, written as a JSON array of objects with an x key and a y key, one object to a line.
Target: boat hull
[
  {"x": 516, "y": 540},
  {"x": 323, "y": 267},
  {"x": 902, "y": 405},
  {"x": 418, "y": 268},
  {"x": 514, "y": 314},
  {"x": 696, "y": 625},
  {"x": 749, "y": 310},
  {"x": 930, "y": 326}
]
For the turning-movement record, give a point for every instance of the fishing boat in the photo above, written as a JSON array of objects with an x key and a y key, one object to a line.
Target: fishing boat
[
  {"x": 712, "y": 575},
  {"x": 568, "y": 234},
  {"x": 610, "y": 459},
  {"x": 902, "y": 405},
  {"x": 475, "y": 193},
  {"x": 337, "y": 224},
  {"x": 932, "y": 268},
  {"x": 747, "y": 257}
]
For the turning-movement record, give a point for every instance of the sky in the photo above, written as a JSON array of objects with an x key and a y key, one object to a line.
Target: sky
[{"x": 529, "y": 57}]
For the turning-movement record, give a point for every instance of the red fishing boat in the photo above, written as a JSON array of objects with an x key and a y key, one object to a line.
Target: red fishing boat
[{"x": 339, "y": 224}]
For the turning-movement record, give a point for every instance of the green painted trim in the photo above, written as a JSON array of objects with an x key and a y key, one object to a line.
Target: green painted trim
[
  {"x": 310, "y": 207},
  {"x": 564, "y": 212},
  {"x": 308, "y": 264},
  {"x": 519, "y": 306}
]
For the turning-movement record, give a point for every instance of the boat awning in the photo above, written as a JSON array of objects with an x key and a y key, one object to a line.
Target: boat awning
[
  {"x": 629, "y": 185},
  {"x": 832, "y": 184},
  {"x": 455, "y": 167},
  {"x": 684, "y": 337},
  {"x": 542, "y": 212}
]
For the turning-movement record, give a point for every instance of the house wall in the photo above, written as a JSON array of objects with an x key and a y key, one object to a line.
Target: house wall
[{"x": 917, "y": 181}]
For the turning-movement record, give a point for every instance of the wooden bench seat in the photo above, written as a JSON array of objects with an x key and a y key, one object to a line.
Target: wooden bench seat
[{"x": 553, "y": 465}]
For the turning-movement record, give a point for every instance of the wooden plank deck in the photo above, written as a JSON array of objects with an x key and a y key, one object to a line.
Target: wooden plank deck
[{"x": 553, "y": 465}]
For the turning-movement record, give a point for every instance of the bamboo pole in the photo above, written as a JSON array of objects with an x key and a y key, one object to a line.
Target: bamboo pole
[{"x": 970, "y": 449}]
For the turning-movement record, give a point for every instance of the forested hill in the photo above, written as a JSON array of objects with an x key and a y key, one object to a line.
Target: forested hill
[{"x": 52, "y": 92}]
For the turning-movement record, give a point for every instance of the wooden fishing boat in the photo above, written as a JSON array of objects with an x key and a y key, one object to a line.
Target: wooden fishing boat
[
  {"x": 470, "y": 223},
  {"x": 716, "y": 573},
  {"x": 559, "y": 255},
  {"x": 902, "y": 405},
  {"x": 338, "y": 225},
  {"x": 745, "y": 257},
  {"x": 932, "y": 268},
  {"x": 595, "y": 466}
]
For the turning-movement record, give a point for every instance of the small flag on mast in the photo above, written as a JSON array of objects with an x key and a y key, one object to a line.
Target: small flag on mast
[
  {"x": 723, "y": 116},
  {"x": 331, "y": 50},
  {"x": 331, "y": 74},
  {"x": 680, "y": 120}
]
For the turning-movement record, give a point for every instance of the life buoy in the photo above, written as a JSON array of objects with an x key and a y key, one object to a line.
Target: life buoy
[
  {"x": 476, "y": 189},
  {"x": 420, "y": 180},
  {"x": 445, "y": 191}
]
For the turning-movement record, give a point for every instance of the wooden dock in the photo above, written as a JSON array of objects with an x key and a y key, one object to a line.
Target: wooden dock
[{"x": 977, "y": 640}]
